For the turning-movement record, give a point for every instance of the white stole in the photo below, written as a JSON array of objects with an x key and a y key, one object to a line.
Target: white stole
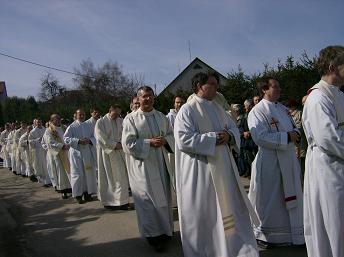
[
  {"x": 57, "y": 134},
  {"x": 145, "y": 132},
  {"x": 218, "y": 169},
  {"x": 113, "y": 127}
]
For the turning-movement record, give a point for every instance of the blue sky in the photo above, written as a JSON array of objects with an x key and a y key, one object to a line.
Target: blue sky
[{"x": 150, "y": 37}]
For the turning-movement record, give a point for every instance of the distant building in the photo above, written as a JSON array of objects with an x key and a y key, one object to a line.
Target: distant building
[
  {"x": 183, "y": 80},
  {"x": 3, "y": 91}
]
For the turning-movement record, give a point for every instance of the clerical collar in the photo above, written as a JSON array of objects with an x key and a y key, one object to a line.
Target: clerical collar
[
  {"x": 330, "y": 85},
  {"x": 269, "y": 102},
  {"x": 203, "y": 100},
  {"x": 173, "y": 111},
  {"x": 146, "y": 113}
]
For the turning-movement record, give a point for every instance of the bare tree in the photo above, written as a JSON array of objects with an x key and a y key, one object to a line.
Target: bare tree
[
  {"x": 50, "y": 87},
  {"x": 137, "y": 79},
  {"x": 106, "y": 80}
]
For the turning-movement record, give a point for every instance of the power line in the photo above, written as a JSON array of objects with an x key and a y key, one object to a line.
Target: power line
[{"x": 45, "y": 66}]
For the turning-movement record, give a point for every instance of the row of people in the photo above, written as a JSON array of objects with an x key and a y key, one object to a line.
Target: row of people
[{"x": 216, "y": 216}]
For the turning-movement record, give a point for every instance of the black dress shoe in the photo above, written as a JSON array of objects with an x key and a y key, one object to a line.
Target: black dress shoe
[
  {"x": 79, "y": 199},
  {"x": 124, "y": 207},
  {"x": 87, "y": 197},
  {"x": 166, "y": 237},
  {"x": 65, "y": 196},
  {"x": 15, "y": 173},
  {"x": 109, "y": 207},
  {"x": 33, "y": 178},
  {"x": 157, "y": 243},
  {"x": 265, "y": 245}
]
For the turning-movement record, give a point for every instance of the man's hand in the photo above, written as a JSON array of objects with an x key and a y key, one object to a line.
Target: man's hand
[
  {"x": 222, "y": 137},
  {"x": 157, "y": 141},
  {"x": 294, "y": 137},
  {"x": 118, "y": 146}
]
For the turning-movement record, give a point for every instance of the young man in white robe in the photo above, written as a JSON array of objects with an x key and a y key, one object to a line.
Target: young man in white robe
[
  {"x": 178, "y": 101},
  {"x": 323, "y": 121},
  {"x": 58, "y": 155},
  {"x": 48, "y": 157},
  {"x": 112, "y": 172},
  {"x": 19, "y": 151},
  {"x": 27, "y": 157},
  {"x": 12, "y": 149},
  {"x": 95, "y": 115},
  {"x": 147, "y": 138},
  {"x": 134, "y": 106},
  {"x": 40, "y": 155},
  {"x": 80, "y": 137},
  {"x": 4, "y": 148},
  {"x": 212, "y": 203},
  {"x": 275, "y": 188}
]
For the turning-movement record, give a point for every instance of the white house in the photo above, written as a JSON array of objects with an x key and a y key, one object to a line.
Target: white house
[{"x": 183, "y": 80}]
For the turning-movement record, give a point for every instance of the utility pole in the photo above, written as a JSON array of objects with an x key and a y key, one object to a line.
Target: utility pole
[{"x": 189, "y": 44}]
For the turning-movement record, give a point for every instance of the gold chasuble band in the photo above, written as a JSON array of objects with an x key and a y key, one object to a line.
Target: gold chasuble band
[{"x": 63, "y": 153}]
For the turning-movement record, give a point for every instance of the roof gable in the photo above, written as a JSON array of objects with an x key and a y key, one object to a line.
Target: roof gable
[{"x": 183, "y": 80}]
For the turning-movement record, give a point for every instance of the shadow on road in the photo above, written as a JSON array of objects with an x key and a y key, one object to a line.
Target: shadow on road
[{"x": 50, "y": 226}]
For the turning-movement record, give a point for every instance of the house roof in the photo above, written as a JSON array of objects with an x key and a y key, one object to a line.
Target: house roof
[{"x": 186, "y": 68}]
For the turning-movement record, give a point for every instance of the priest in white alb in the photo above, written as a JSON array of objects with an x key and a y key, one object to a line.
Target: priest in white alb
[
  {"x": 58, "y": 155},
  {"x": 40, "y": 155},
  {"x": 4, "y": 148},
  {"x": 48, "y": 156},
  {"x": 214, "y": 211},
  {"x": 134, "y": 106},
  {"x": 323, "y": 122},
  {"x": 26, "y": 154},
  {"x": 19, "y": 151},
  {"x": 146, "y": 138},
  {"x": 80, "y": 137},
  {"x": 178, "y": 101},
  {"x": 275, "y": 188},
  {"x": 95, "y": 115},
  {"x": 112, "y": 172},
  {"x": 11, "y": 149}
]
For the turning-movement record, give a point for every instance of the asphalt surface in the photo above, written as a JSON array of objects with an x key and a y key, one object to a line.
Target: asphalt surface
[{"x": 50, "y": 226}]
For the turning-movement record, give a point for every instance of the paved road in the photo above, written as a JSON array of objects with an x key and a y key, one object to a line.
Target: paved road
[{"x": 50, "y": 226}]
